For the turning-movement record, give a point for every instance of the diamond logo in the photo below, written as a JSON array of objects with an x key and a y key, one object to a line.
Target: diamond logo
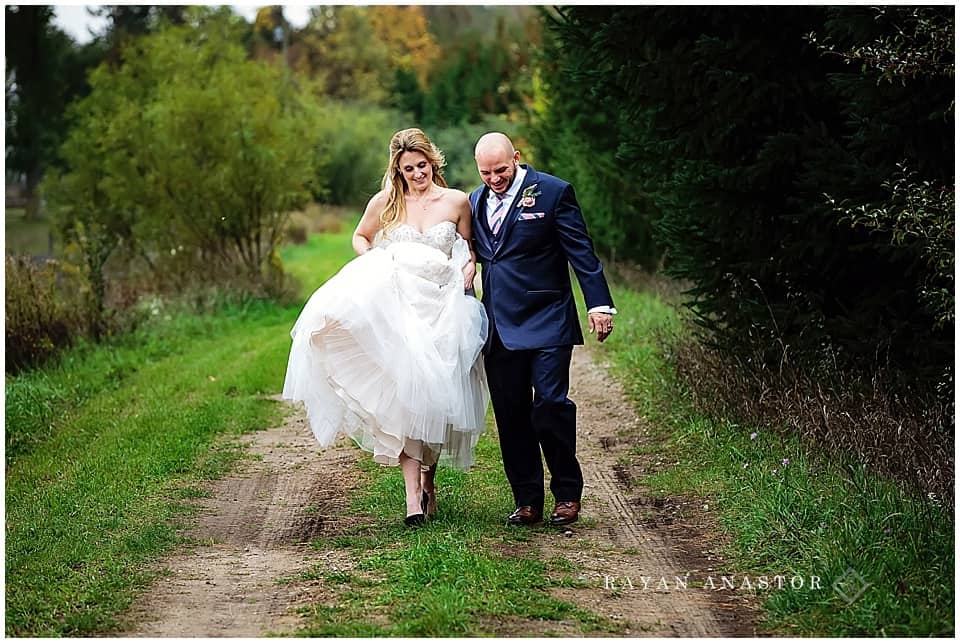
[{"x": 850, "y": 586}]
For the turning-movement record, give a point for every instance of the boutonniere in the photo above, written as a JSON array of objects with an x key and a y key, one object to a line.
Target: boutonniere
[{"x": 529, "y": 196}]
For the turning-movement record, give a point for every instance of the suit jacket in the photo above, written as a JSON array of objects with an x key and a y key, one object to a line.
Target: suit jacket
[{"x": 526, "y": 282}]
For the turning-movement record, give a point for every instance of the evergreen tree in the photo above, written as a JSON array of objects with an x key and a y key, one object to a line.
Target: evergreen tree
[
  {"x": 727, "y": 127},
  {"x": 45, "y": 70}
]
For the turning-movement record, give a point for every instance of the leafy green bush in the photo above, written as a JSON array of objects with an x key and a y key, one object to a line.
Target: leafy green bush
[
  {"x": 578, "y": 128},
  {"x": 918, "y": 214},
  {"x": 480, "y": 75},
  {"x": 352, "y": 144},
  {"x": 187, "y": 153}
]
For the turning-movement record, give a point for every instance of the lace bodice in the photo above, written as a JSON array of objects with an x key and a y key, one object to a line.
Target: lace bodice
[{"x": 441, "y": 236}]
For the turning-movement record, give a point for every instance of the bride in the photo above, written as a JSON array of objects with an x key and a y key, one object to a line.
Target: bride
[{"x": 387, "y": 351}]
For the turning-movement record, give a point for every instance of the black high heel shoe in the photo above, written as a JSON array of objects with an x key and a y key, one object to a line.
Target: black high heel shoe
[
  {"x": 418, "y": 519},
  {"x": 425, "y": 504},
  {"x": 415, "y": 520}
]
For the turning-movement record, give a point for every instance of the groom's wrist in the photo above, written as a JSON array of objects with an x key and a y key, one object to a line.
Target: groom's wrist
[{"x": 609, "y": 310}]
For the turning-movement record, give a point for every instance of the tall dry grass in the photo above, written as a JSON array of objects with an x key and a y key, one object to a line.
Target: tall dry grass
[{"x": 906, "y": 435}]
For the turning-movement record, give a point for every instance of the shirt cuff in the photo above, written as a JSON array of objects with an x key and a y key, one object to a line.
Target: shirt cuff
[{"x": 610, "y": 310}]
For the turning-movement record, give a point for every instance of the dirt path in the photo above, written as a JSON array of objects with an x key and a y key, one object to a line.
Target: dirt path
[
  {"x": 246, "y": 577},
  {"x": 635, "y": 551}
]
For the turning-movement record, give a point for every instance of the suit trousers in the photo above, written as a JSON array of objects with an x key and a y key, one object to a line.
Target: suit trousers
[{"x": 528, "y": 389}]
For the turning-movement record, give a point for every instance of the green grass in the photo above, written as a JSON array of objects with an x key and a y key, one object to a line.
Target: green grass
[
  {"x": 23, "y": 237},
  {"x": 105, "y": 446},
  {"x": 319, "y": 258},
  {"x": 99, "y": 495},
  {"x": 812, "y": 515},
  {"x": 461, "y": 574}
]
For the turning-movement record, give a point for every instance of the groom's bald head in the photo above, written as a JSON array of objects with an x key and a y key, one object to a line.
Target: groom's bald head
[
  {"x": 496, "y": 161},
  {"x": 494, "y": 143}
]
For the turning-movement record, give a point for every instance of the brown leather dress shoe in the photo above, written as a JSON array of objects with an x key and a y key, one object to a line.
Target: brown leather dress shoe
[
  {"x": 525, "y": 515},
  {"x": 564, "y": 513}
]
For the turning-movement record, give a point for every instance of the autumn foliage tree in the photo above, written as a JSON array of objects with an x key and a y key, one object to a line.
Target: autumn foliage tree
[{"x": 356, "y": 53}]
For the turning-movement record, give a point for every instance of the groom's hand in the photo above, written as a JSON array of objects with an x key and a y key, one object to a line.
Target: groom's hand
[{"x": 602, "y": 323}]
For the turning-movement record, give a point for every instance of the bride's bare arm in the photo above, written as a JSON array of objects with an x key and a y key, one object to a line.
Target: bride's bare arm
[
  {"x": 465, "y": 229},
  {"x": 369, "y": 224}
]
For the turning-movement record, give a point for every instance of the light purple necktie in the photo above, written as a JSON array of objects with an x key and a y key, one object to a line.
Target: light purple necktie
[{"x": 495, "y": 218}]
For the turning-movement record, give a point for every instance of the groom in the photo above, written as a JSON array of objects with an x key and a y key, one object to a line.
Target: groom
[{"x": 527, "y": 228}]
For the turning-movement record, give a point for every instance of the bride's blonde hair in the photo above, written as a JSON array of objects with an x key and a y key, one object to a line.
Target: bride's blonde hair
[{"x": 407, "y": 140}]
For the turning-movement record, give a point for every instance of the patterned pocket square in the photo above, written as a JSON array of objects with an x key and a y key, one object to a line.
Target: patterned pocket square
[{"x": 527, "y": 216}]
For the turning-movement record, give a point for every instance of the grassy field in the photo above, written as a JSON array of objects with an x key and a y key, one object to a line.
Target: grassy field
[
  {"x": 104, "y": 450},
  {"x": 117, "y": 436},
  {"x": 22, "y": 237}
]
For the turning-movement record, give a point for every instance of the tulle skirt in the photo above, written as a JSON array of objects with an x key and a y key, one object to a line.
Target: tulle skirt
[{"x": 388, "y": 352}]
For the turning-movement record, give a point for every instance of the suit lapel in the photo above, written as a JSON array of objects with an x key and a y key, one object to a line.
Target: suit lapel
[{"x": 480, "y": 226}]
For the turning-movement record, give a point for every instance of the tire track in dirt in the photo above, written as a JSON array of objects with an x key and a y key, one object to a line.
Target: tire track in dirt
[
  {"x": 244, "y": 576},
  {"x": 624, "y": 538}
]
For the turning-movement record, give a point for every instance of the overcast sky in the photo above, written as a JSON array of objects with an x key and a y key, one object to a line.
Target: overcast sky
[{"x": 75, "y": 20}]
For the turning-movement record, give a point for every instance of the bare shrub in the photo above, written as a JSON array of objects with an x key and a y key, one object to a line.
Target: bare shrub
[
  {"x": 328, "y": 222},
  {"x": 46, "y": 309},
  {"x": 295, "y": 233},
  {"x": 195, "y": 281},
  {"x": 324, "y": 218},
  {"x": 905, "y": 435},
  {"x": 316, "y": 218}
]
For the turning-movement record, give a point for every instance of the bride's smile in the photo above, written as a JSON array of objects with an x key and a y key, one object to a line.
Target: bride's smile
[{"x": 417, "y": 172}]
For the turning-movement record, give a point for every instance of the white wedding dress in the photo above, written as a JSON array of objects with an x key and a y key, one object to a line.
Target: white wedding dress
[{"x": 387, "y": 351}]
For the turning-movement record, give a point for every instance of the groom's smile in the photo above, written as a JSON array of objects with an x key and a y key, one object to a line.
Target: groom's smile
[{"x": 500, "y": 178}]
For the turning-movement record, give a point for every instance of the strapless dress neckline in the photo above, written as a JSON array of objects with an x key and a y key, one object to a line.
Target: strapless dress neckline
[
  {"x": 429, "y": 228},
  {"x": 441, "y": 236}
]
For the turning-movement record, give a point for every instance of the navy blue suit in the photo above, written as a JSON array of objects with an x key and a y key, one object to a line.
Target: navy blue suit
[{"x": 528, "y": 297}]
